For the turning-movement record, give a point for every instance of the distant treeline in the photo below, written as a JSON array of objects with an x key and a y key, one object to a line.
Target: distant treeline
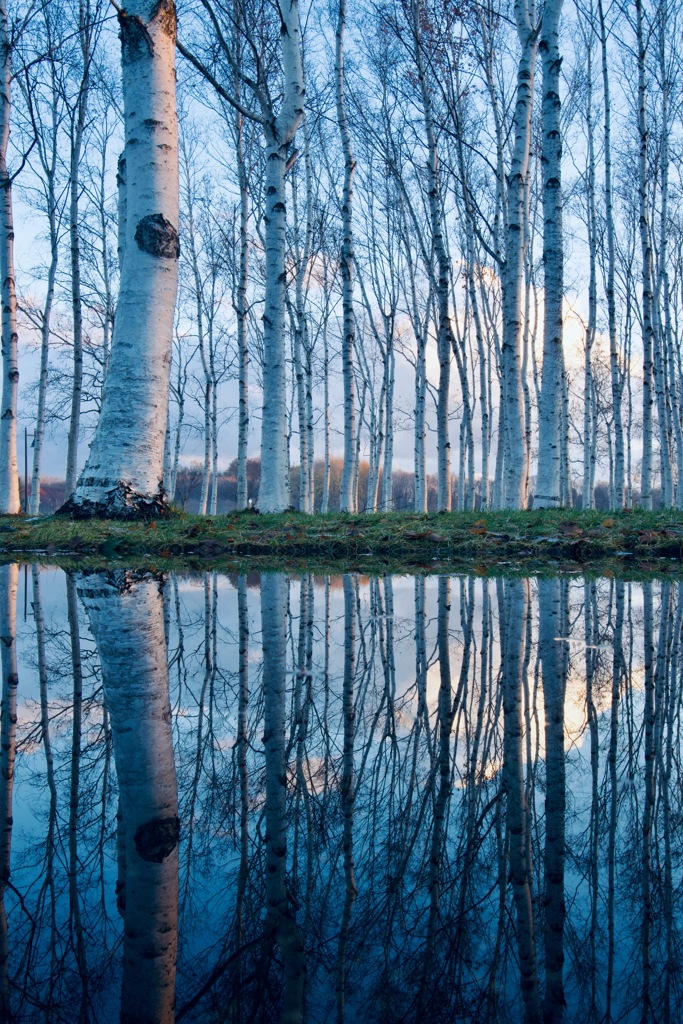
[{"x": 189, "y": 486}]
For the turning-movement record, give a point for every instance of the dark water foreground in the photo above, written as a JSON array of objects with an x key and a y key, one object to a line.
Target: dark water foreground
[{"x": 339, "y": 799}]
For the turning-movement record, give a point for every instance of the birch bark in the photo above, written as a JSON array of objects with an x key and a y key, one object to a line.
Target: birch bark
[
  {"x": 615, "y": 377},
  {"x": 516, "y": 467},
  {"x": 241, "y": 311},
  {"x": 646, "y": 268},
  {"x": 445, "y": 339},
  {"x": 9, "y": 475},
  {"x": 347, "y": 491},
  {"x": 123, "y": 476},
  {"x": 78, "y": 125},
  {"x": 548, "y": 480}
]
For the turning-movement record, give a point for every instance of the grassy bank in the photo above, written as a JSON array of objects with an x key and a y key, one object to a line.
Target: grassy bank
[{"x": 644, "y": 540}]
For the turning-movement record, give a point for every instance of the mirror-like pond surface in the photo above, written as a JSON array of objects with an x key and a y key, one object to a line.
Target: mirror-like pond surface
[{"x": 339, "y": 799}]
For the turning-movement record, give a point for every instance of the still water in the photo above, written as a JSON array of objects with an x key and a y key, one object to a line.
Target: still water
[{"x": 268, "y": 798}]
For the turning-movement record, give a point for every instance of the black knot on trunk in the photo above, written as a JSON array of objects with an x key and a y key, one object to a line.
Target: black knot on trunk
[
  {"x": 156, "y": 839},
  {"x": 157, "y": 236}
]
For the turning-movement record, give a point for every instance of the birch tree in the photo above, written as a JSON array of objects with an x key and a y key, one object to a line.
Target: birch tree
[
  {"x": 279, "y": 122},
  {"x": 9, "y": 474},
  {"x": 347, "y": 494},
  {"x": 123, "y": 475},
  {"x": 548, "y": 480}
]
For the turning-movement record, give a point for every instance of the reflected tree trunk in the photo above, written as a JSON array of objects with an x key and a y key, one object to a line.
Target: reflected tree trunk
[
  {"x": 74, "y": 795},
  {"x": 280, "y": 919},
  {"x": 126, "y": 620},
  {"x": 347, "y": 788},
  {"x": 516, "y": 606},
  {"x": 9, "y": 578},
  {"x": 553, "y": 639}
]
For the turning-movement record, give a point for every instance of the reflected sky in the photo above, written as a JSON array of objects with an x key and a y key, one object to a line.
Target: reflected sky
[{"x": 339, "y": 798}]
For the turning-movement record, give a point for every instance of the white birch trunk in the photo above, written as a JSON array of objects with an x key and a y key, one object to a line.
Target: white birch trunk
[
  {"x": 549, "y": 473},
  {"x": 39, "y": 431},
  {"x": 127, "y": 623},
  {"x": 77, "y": 133},
  {"x": 387, "y": 471},
  {"x": 241, "y": 311},
  {"x": 589, "y": 420},
  {"x": 123, "y": 476},
  {"x": 646, "y": 257},
  {"x": 615, "y": 376},
  {"x": 280, "y": 131},
  {"x": 325, "y": 503},
  {"x": 516, "y": 462},
  {"x": 445, "y": 339},
  {"x": 347, "y": 490},
  {"x": 10, "y": 503}
]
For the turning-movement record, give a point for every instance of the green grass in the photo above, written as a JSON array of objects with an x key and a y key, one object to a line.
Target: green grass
[{"x": 646, "y": 541}]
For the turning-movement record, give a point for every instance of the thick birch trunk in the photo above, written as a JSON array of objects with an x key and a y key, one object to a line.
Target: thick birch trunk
[
  {"x": 347, "y": 490},
  {"x": 548, "y": 480},
  {"x": 123, "y": 476},
  {"x": 9, "y": 476},
  {"x": 127, "y": 623}
]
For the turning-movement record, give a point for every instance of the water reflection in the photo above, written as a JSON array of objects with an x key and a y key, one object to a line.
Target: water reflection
[{"x": 256, "y": 799}]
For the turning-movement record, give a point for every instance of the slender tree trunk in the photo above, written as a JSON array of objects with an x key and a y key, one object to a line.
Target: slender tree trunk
[
  {"x": 39, "y": 432},
  {"x": 325, "y": 502},
  {"x": 516, "y": 607},
  {"x": 611, "y": 270},
  {"x": 646, "y": 255},
  {"x": 280, "y": 916},
  {"x": 548, "y": 480},
  {"x": 553, "y": 635},
  {"x": 9, "y": 578},
  {"x": 445, "y": 339},
  {"x": 347, "y": 493},
  {"x": 123, "y": 476},
  {"x": 76, "y": 153},
  {"x": 241, "y": 310},
  {"x": 516, "y": 462},
  {"x": 10, "y": 503},
  {"x": 348, "y": 795},
  {"x": 589, "y": 420}
]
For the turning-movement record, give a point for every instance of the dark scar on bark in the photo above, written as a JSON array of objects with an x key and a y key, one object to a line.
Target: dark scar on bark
[
  {"x": 157, "y": 236},
  {"x": 156, "y": 839},
  {"x": 135, "y": 39}
]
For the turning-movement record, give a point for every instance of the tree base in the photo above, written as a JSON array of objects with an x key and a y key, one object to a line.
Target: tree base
[{"x": 121, "y": 502}]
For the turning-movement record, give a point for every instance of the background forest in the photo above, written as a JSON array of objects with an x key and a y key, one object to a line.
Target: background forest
[{"x": 480, "y": 220}]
